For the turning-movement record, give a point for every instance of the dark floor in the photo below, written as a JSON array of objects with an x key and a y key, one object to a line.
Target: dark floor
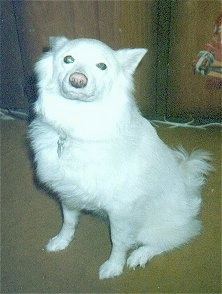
[{"x": 29, "y": 218}]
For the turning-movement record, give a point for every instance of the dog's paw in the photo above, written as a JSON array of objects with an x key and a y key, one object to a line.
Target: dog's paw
[
  {"x": 110, "y": 269},
  {"x": 57, "y": 243},
  {"x": 139, "y": 257}
]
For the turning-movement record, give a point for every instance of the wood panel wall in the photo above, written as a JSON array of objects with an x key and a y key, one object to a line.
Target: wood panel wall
[
  {"x": 192, "y": 25},
  {"x": 174, "y": 31},
  {"x": 12, "y": 75},
  {"x": 117, "y": 23}
]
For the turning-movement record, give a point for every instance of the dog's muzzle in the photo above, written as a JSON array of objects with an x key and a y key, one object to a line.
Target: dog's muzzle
[{"x": 78, "y": 80}]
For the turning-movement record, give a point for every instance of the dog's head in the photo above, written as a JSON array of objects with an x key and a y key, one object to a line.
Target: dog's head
[{"x": 84, "y": 69}]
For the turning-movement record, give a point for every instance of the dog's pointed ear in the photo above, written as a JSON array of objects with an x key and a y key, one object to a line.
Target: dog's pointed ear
[
  {"x": 130, "y": 58},
  {"x": 57, "y": 42}
]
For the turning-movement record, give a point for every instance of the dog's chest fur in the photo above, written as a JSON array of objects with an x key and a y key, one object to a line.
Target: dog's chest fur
[{"x": 87, "y": 173}]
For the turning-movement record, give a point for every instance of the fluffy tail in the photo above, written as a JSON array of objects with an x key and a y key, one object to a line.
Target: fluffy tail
[{"x": 196, "y": 166}]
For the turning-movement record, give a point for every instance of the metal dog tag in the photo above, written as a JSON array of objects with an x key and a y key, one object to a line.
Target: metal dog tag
[{"x": 60, "y": 146}]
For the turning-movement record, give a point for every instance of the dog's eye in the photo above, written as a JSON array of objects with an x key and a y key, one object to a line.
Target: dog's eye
[
  {"x": 101, "y": 66},
  {"x": 69, "y": 59}
]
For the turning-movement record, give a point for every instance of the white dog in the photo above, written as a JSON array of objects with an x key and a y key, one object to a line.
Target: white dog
[{"x": 95, "y": 150}]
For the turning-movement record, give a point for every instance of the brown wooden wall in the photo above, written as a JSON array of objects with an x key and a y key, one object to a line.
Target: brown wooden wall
[
  {"x": 11, "y": 68},
  {"x": 118, "y": 23},
  {"x": 192, "y": 25},
  {"x": 173, "y": 31}
]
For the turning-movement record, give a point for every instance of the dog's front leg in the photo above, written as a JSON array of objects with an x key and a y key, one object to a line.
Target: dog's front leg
[
  {"x": 114, "y": 265},
  {"x": 65, "y": 236}
]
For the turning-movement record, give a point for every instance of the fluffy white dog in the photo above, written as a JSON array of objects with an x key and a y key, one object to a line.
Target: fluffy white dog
[{"x": 96, "y": 152}]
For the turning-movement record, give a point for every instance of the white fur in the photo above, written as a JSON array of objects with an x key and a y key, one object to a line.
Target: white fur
[{"x": 112, "y": 159}]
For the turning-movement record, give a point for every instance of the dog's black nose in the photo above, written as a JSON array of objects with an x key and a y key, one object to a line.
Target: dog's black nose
[{"x": 78, "y": 80}]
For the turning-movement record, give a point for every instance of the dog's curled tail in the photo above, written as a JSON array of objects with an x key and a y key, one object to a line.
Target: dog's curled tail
[{"x": 196, "y": 166}]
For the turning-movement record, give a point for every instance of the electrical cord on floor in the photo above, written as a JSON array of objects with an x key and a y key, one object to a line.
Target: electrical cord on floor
[
  {"x": 13, "y": 113},
  {"x": 23, "y": 114},
  {"x": 188, "y": 124}
]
